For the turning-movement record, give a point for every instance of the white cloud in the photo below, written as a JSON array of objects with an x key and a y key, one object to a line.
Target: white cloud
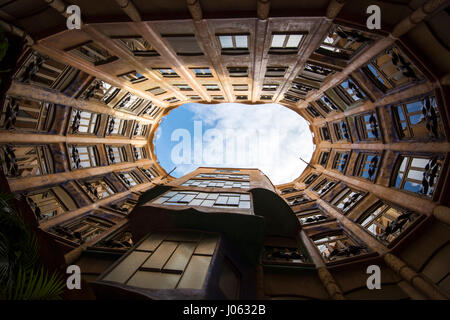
[{"x": 278, "y": 138}]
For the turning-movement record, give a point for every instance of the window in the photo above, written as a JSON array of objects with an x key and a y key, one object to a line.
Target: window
[
  {"x": 315, "y": 73},
  {"x": 324, "y": 186},
  {"x": 350, "y": 92},
  {"x": 327, "y": 104},
  {"x": 92, "y": 53},
  {"x": 217, "y": 97},
  {"x": 367, "y": 126},
  {"x": 291, "y": 98},
  {"x": 156, "y": 91},
  {"x": 149, "y": 173},
  {"x": 391, "y": 69},
  {"x": 202, "y": 72},
  {"x": 417, "y": 174},
  {"x": 367, "y": 166},
  {"x": 283, "y": 255},
  {"x": 116, "y": 126},
  {"x": 101, "y": 91},
  {"x": 240, "y": 87},
  {"x": 343, "y": 43},
  {"x": 97, "y": 188},
  {"x": 418, "y": 119},
  {"x": 228, "y": 170},
  {"x": 312, "y": 216},
  {"x": 216, "y": 200},
  {"x": 122, "y": 240},
  {"x": 341, "y": 130},
  {"x": 179, "y": 260},
  {"x": 241, "y": 97},
  {"x": 300, "y": 88},
  {"x": 266, "y": 97},
  {"x": 313, "y": 112},
  {"x": 340, "y": 161},
  {"x": 21, "y": 161},
  {"x": 151, "y": 110},
  {"x": 183, "y": 87},
  {"x": 337, "y": 246},
  {"x": 211, "y": 87},
  {"x": 166, "y": 72},
  {"x": 325, "y": 133},
  {"x": 238, "y": 71},
  {"x": 140, "y": 130},
  {"x": 139, "y": 153},
  {"x": 133, "y": 76},
  {"x": 289, "y": 190},
  {"x": 224, "y": 176},
  {"x": 299, "y": 199},
  {"x": 269, "y": 87},
  {"x": 386, "y": 222},
  {"x": 275, "y": 71},
  {"x": 83, "y": 156},
  {"x": 323, "y": 160},
  {"x": 129, "y": 178},
  {"x": 138, "y": 46},
  {"x": 84, "y": 229},
  {"x": 310, "y": 179},
  {"x": 27, "y": 115},
  {"x": 184, "y": 45},
  {"x": 216, "y": 184},
  {"x": 42, "y": 71},
  {"x": 116, "y": 154},
  {"x": 194, "y": 97},
  {"x": 172, "y": 99},
  {"x": 129, "y": 102},
  {"x": 347, "y": 199},
  {"x": 234, "y": 44},
  {"x": 50, "y": 202},
  {"x": 285, "y": 43},
  {"x": 84, "y": 122}
]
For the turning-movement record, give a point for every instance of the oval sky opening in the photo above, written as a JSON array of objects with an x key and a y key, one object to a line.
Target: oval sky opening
[{"x": 269, "y": 137}]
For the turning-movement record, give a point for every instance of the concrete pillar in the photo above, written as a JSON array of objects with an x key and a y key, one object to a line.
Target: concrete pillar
[
  {"x": 333, "y": 289},
  {"x": 263, "y": 9},
  {"x": 130, "y": 9},
  {"x": 195, "y": 9},
  {"x": 334, "y": 7},
  {"x": 442, "y": 213},
  {"x": 416, "y": 280}
]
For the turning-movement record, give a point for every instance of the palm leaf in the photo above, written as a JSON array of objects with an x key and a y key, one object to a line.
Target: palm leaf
[{"x": 36, "y": 285}]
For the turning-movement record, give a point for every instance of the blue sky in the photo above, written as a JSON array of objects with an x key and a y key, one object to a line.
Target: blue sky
[{"x": 269, "y": 137}]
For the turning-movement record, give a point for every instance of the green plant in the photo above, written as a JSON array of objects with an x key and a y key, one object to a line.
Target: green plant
[{"x": 21, "y": 276}]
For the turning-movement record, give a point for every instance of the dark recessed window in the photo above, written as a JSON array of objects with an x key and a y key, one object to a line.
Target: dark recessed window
[
  {"x": 183, "y": 87},
  {"x": 340, "y": 161},
  {"x": 92, "y": 53},
  {"x": 241, "y": 97},
  {"x": 211, "y": 87},
  {"x": 240, "y": 87},
  {"x": 266, "y": 97},
  {"x": 156, "y": 91},
  {"x": 367, "y": 166},
  {"x": 275, "y": 71},
  {"x": 347, "y": 199},
  {"x": 166, "y": 72},
  {"x": 133, "y": 76},
  {"x": 138, "y": 46},
  {"x": 202, "y": 72},
  {"x": 184, "y": 45},
  {"x": 238, "y": 71}
]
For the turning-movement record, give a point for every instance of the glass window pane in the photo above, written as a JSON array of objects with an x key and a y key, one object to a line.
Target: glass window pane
[
  {"x": 226, "y": 42},
  {"x": 278, "y": 40},
  {"x": 241, "y": 41},
  {"x": 294, "y": 40}
]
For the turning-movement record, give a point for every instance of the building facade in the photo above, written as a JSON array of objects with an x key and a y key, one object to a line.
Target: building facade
[{"x": 81, "y": 107}]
